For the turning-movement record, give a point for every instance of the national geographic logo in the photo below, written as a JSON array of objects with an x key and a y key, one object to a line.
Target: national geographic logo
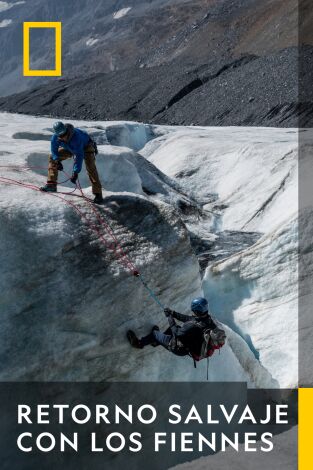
[{"x": 27, "y": 72}]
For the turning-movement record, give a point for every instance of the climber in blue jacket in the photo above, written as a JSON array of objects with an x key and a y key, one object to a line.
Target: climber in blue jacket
[{"x": 67, "y": 142}]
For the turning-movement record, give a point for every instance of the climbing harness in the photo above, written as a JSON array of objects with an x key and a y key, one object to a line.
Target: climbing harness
[{"x": 114, "y": 245}]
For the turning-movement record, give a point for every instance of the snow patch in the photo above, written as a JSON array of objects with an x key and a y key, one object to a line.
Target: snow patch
[
  {"x": 5, "y": 23},
  {"x": 91, "y": 42},
  {"x": 7, "y": 6},
  {"x": 120, "y": 13}
]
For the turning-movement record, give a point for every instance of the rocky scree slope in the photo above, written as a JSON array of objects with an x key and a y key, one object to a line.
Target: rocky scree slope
[
  {"x": 249, "y": 90},
  {"x": 167, "y": 61},
  {"x": 111, "y": 36}
]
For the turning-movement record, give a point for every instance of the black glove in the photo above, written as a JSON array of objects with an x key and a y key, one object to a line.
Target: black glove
[
  {"x": 60, "y": 166},
  {"x": 168, "y": 312},
  {"x": 74, "y": 178}
]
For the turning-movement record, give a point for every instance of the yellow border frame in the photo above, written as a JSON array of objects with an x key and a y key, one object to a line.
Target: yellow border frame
[
  {"x": 57, "y": 72},
  {"x": 305, "y": 453}
]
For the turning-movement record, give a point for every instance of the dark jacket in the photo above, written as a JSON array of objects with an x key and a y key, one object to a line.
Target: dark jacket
[
  {"x": 189, "y": 322},
  {"x": 184, "y": 337}
]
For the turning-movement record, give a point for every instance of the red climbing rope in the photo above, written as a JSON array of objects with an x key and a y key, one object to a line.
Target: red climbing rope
[
  {"x": 90, "y": 224},
  {"x": 115, "y": 246}
]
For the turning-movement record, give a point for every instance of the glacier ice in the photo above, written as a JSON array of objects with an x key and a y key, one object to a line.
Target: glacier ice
[
  {"x": 248, "y": 181},
  {"x": 255, "y": 293},
  {"x": 70, "y": 302}
]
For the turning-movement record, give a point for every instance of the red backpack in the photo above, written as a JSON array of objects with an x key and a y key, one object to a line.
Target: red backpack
[{"x": 212, "y": 340}]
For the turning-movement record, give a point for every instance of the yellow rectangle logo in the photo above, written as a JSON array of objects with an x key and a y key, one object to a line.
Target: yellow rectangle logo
[{"x": 57, "y": 72}]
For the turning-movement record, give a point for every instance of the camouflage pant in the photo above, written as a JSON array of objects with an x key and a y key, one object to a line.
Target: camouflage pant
[{"x": 90, "y": 162}]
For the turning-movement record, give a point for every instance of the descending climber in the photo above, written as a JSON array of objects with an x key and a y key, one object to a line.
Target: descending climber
[
  {"x": 199, "y": 336},
  {"x": 68, "y": 142}
]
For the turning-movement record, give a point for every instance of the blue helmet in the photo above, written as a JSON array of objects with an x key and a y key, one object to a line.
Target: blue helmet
[
  {"x": 59, "y": 128},
  {"x": 199, "y": 306}
]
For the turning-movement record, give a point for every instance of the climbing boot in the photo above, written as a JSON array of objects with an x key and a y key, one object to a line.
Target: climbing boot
[
  {"x": 98, "y": 199},
  {"x": 134, "y": 341},
  {"x": 155, "y": 343},
  {"x": 49, "y": 188},
  {"x": 150, "y": 339}
]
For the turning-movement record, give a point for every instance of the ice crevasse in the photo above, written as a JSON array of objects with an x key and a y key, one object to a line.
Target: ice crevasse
[{"x": 70, "y": 301}]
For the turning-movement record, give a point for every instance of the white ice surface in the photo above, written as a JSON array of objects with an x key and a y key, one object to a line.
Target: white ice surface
[
  {"x": 256, "y": 293},
  {"x": 242, "y": 167},
  {"x": 253, "y": 292},
  {"x": 250, "y": 179}
]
